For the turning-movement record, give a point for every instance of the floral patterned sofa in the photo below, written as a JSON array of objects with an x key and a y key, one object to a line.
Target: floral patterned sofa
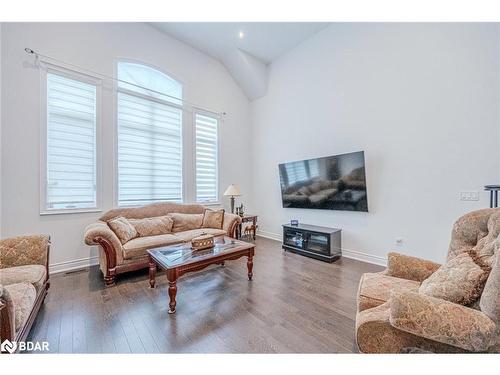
[
  {"x": 158, "y": 224},
  {"x": 24, "y": 282},
  {"x": 419, "y": 305}
]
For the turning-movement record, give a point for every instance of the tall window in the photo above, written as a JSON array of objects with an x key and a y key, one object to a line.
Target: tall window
[
  {"x": 149, "y": 136},
  {"x": 206, "y": 154},
  {"x": 69, "y": 181}
]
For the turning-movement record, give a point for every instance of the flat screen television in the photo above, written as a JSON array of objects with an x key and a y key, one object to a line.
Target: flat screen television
[{"x": 330, "y": 183}]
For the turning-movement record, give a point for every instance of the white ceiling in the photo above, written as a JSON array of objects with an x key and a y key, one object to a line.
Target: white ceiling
[
  {"x": 264, "y": 40},
  {"x": 245, "y": 58}
]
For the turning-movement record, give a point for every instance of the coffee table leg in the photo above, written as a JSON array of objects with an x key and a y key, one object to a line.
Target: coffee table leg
[
  {"x": 152, "y": 272},
  {"x": 172, "y": 292},
  {"x": 250, "y": 266}
]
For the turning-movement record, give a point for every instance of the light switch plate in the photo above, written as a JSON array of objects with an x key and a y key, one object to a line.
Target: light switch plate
[{"x": 469, "y": 196}]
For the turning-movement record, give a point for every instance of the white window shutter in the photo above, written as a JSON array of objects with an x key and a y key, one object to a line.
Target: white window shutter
[
  {"x": 206, "y": 154},
  {"x": 149, "y": 151},
  {"x": 71, "y": 144}
]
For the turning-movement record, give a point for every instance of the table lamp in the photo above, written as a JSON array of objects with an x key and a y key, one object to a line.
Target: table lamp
[{"x": 232, "y": 191}]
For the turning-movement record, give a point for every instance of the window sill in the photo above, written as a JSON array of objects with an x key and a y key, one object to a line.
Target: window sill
[
  {"x": 69, "y": 211},
  {"x": 210, "y": 204}
]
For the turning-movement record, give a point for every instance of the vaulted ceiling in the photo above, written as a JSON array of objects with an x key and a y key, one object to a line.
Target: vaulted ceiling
[{"x": 245, "y": 48}]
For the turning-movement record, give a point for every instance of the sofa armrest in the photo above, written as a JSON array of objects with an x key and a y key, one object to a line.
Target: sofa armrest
[
  {"x": 442, "y": 321},
  {"x": 409, "y": 268},
  {"x": 99, "y": 233},
  {"x": 231, "y": 222},
  {"x": 24, "y": 250}
]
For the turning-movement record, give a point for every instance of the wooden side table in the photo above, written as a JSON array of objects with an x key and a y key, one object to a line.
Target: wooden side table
[{"x": 247, "y": 219}]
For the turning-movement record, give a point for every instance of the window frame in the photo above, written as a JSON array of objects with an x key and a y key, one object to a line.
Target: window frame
[
  {"x": 198, "y": 111},
  {"x": 45, "y": 69},
  {"x": 117, "y": 91}
]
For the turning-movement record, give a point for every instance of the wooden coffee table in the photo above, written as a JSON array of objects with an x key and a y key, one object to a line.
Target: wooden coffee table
[{"x": 179, "y": 259}]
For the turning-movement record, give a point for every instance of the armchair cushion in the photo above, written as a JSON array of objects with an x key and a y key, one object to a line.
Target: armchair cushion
[
  {"x": 20, "y": 299},
  {"x": 123, "y": 229},
  {"x": 183, "y": 222},
  {"x": 34, "y": 274},
  {"x": 213, "y": 219},
  {"x": 410, "y": 268},
  {"x": 24, "y": 250},
  {"x": 375, "y": 289},
  {"x": 460, "y": 280},
  {"x": 153, "y": 226},
  {"x": 441, "y": 321}
]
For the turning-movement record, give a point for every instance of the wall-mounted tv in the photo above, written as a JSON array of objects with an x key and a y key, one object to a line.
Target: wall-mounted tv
[{"x": 330, "y": 183}]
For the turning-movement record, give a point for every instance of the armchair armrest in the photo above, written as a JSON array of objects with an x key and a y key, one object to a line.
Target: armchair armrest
[
  {"x": 24, "y": 250},
  {"x": 6, "y": 315},
  {"x": 442, "y": 321},
  {"x": 409, "y": 268},
  {"x": 231, "y": 221}
]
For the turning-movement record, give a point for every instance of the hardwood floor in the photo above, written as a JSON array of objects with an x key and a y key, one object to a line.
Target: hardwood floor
[{"x": 293, "y": 305}]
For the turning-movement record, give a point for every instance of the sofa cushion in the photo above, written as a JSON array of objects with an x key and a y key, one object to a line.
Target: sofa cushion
[
  {"x": 183, "y": 222},
  {"x": 123, "y": 229},
  {"x": 34, "y": 274},
  {"x": 490, "y": 299},
  {"x": 20, "y": 298},
  {"x": 213, "y": 219},
  {"x": 375, "y": 289},
  {"x": 190, "y": 234},
  {"x": 459, "y": 280},
  {"x": 153, "y": 226},
  {"x": 139, "y": 246}
]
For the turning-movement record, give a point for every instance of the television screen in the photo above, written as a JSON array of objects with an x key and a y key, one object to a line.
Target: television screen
[{"x": 330, "y": 183}]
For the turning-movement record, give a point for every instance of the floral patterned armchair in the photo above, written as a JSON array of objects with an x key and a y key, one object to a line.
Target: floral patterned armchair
[
  {"x": 24, "y": 282},
  {"x": 398, "y": 313}
]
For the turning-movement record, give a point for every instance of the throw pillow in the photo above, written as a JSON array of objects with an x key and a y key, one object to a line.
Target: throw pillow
[
  {"x": 213, "y": 219},
  {"x": 153, "y": 226},
  {"x": 123, "y": 229},
  {"x": 184, "y": 222},
  {"x": 459, "y": 280}
]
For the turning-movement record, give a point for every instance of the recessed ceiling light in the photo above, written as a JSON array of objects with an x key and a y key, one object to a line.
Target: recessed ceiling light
[{"x": 241, "y": 34}]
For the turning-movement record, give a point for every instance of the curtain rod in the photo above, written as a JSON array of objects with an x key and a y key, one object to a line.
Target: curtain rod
[{"x": 37, "y": 55}]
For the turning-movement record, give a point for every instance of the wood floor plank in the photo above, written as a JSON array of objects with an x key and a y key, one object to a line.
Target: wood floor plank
[{"x": 293, "y": 305}]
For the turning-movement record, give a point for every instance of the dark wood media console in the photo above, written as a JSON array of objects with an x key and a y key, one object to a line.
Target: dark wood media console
[{"x": 313, "y": 241}]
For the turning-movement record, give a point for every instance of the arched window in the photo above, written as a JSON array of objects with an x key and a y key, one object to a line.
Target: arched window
[{"x": 149, "y": 136}]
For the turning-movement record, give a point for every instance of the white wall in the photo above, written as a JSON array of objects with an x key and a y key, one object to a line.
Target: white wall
[
  {"x": 422, "y": 101},
  {"x": 96, "y": 47},
  {"x": 1, "y": 27}
]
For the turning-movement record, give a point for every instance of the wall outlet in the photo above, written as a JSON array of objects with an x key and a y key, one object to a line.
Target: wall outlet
[{"x": 469, "y": 196}]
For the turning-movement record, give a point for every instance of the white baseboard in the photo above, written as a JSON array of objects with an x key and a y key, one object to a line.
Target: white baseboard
[
  {"x": 270, "y": 235},
  {"x": 72, "y": 265},
  {"x": 351, "y": 254}
]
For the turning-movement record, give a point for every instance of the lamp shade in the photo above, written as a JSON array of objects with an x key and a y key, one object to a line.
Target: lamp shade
[{"x": 233, "y": 191}]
